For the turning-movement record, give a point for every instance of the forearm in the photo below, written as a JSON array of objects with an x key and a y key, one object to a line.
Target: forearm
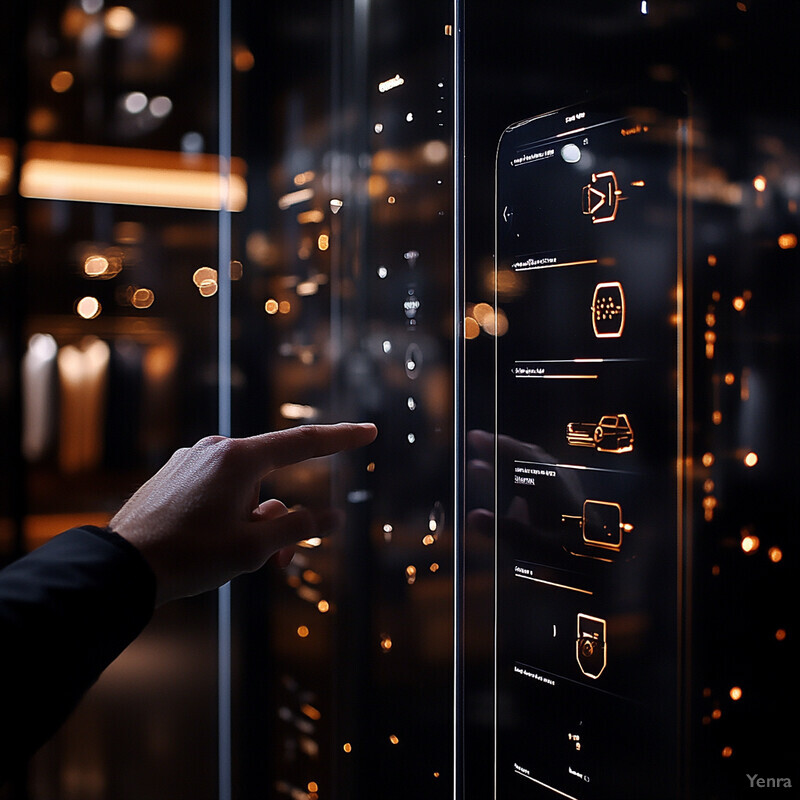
[{"x": 66, "y": 611}]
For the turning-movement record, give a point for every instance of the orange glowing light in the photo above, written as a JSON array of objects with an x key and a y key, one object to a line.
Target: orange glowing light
[
  {"x": 750, "y": 544},
  {"x": 307, "y": 217},
  {"x": 428, "y": 540},
  {"x": 302, "y": 178},
  {"x": 751, "y": 459},
  {"x": 271, "y": 306},
  {"x": 371, "y": 466},
  {"x": 95, "y": 266},
  {"x": 735, "y": 693},
  {"x": 323, "y": 606},
  {"x": 386, "y": 643},
  {"x": 62, "y": 81},
  {"x": 739, "y": 303},
  {"x": 243, "y": 59},
  {"x": 313, "y": 786},
  {"x": 706, "y": 692},
  {"x": 311, "y": 713},
  {"x": 711, "y": 336},
  {"x": 119, "y": 21},
  {"x": 715, "y": 570},
  {"x": 716, "y": 417},
  {"x": 284, "y": 307},
  {"x": 434, "y": 567},
  {"x": 391, "y": 200},
  {"x": 143, "y": 298},
  {"x": 88, "y": 307},
  {"x": 708, "y": 459},
  {"x": 787, "y": 241},
  {"x": 727, "y": 752},
  {"x": 711, "y": 320},
  {"x": 203, "y": 274},
  {"x": 712, "y": 260},
  {"x": 708, "y": 486},
  {"x": 323, "y": 241},
  {"x": 775, "y": 554},
  {"x": 471, "y": 328},
  {"x": 347, "y": 747},
  {"x": 729, "y": 378},
  {"x": 716, "y": 713},
  {"x": 483, "y": 313},
  {"x": 208, "y": 288},
  {"x": 303, "y": 631},
  {"x": 309, "y": 576},
  {"x": 130, "y": 176},
  {"x": 780, "y": 634},
  {"x": 393, "y": 739},
  {"x": 715, "y": 296},
  {"x": 759, "y": 183}
]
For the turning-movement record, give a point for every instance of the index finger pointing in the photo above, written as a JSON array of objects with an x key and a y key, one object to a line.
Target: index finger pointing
[{"x": 280, "y": 448}]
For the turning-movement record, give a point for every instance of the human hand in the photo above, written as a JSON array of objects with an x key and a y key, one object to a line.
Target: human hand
[{"x": 198, "y": 522}]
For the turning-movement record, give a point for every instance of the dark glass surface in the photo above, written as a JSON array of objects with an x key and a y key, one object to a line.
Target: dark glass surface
[{"x": 734, "y": 60}]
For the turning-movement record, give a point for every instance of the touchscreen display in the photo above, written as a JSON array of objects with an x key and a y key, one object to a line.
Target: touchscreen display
[{"x": 589, "y": 452}]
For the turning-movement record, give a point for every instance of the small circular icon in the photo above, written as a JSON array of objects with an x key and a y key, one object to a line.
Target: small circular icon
[{"x": 571, "y": 153}]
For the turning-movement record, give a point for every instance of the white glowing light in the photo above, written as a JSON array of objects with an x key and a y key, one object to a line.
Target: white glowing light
[
  {"x": 387, "y": 346},
  {"x": 298, "y": 411},
  {"x": 192, "y": 142},
  {"x": 409, "y": 117},
  {"x": 391, "y": 83},
  {"x": 293, "y": 198},
  {"x": 378, "y": 127},
  {"x": 135, "y": 102},
  {"x": 382, "y": 272},
  {"x": 88, "y": 307},
  {"x": 160, "y": 106}
]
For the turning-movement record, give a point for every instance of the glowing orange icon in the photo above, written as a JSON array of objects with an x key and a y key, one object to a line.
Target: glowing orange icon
[
  {"x": 600, "y": 198},
  {"x": 601, "y": 524},
  {"x": 590, "y": 646},
  {"x": 613, "y": 434},
  {"x": 608, "y": 310}
]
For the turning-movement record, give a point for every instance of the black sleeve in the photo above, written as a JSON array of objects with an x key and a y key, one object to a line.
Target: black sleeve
[{"x": 67, "y": 610}]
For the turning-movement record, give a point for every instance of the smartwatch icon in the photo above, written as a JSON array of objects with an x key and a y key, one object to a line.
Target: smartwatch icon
[{"x": 608, "y": 310}]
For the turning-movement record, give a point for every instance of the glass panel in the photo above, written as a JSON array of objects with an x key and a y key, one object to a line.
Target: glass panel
[
  {"x": 741, "y": 333},
  {"x": 347, "y": 313}
]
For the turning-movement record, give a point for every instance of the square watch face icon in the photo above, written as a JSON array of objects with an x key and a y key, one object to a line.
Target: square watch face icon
[
  {"x": 608, "y": 310},
  {"x": 602, "y": 524}
]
